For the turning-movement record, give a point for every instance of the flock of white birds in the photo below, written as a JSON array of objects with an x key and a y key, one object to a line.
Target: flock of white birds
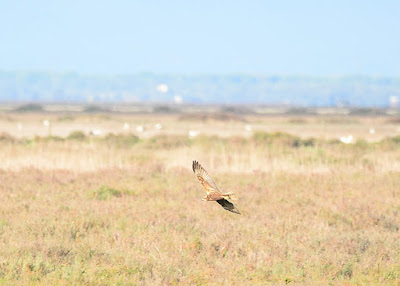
[{"x": 348, "y": 139}]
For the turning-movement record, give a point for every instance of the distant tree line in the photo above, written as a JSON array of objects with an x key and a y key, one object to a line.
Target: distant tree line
[{"x": 362, "y": 91}]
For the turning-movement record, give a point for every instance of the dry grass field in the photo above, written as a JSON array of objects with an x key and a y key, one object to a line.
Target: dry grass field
[{"x": 108, "y": 199}]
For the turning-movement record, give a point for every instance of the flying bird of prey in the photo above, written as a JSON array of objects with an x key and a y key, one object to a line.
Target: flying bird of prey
[{"x": 213, "y": 193}]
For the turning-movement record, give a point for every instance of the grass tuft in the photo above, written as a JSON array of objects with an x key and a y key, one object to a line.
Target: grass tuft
[{"x": 104, "y": 193}]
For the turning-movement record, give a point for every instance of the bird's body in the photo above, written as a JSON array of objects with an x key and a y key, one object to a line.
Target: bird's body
[
  {"x": 213, "y": 193},
  {"x": 212, "y": 196}
]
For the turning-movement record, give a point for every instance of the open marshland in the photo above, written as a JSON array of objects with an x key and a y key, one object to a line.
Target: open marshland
[{"x": 110, "y": 199}]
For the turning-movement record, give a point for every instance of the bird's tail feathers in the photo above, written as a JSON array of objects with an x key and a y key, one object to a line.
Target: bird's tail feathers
[{"x": 230, "y": 196}]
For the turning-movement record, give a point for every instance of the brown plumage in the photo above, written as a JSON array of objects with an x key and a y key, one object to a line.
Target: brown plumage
[{"x": 213, "y": 193}]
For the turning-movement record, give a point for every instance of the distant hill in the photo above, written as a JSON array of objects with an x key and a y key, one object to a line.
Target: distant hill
[{"x": 361, "y": 91}]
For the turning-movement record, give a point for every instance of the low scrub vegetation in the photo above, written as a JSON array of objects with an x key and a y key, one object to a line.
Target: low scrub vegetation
[{"x": 119, "y": 209}]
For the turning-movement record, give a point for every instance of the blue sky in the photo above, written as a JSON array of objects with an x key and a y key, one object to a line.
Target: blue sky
[{"x": 305, "y": 37}]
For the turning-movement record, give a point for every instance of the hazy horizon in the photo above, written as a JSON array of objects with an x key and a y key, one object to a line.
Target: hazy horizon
[{"x": 149, "y": 87}]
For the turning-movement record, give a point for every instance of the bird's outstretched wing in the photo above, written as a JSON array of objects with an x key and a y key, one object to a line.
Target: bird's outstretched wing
[
  {"x": 204, "y": 178},
  {"x": 228, "y": 206}
]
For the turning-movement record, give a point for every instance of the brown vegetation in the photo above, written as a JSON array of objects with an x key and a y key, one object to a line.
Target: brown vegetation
[{"x": 125, "y": 209}]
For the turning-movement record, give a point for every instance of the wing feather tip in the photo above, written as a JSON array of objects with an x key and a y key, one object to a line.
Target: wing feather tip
[
  {"x": 236, "y": 211},
  {"x": 194, "y": 166}
]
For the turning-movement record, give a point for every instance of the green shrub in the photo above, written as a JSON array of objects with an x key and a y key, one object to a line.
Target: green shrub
[
  {"x": 65, "y": 118},
  {"x": 167, "y": 142},
  {"x": 30, "y": 107},
  {"x": 284, "y": 139},
  {"x": 308, "y": 142},
  {"x": 391, "y": 142},
  {"x": 77, "y": 135},
  {"x": 395, "y": 140},
  {"x": 104, "y": 193},
  {"x": 94, "y": 109},
  {"x": 121, "y": 140},
  {"x": 346, "y": 271},
  {"x": 48, "y": 139},
  {"x": 362, "y": 143}
]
